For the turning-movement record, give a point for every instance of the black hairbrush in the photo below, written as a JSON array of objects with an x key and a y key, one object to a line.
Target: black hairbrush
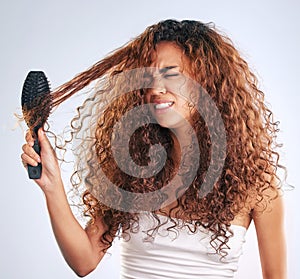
[{"x": 36, "y": 106}]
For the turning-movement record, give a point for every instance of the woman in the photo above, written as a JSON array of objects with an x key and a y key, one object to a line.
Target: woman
[{"x": 182, "y": 210}]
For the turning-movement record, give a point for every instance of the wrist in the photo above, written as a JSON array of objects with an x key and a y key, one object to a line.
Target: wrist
[{"x": 54, "y": 190}]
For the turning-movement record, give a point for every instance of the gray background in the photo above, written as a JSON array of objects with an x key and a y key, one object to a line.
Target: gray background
[{"x": 65, "y": 37}]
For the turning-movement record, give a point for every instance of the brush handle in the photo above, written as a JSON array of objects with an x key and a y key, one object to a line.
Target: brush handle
[{"x": 35, "y": 172}]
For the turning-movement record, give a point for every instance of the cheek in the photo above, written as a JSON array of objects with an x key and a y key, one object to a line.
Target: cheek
[
  {"x": 184, "y": 108},
  {"x": 181, "y": 92}
]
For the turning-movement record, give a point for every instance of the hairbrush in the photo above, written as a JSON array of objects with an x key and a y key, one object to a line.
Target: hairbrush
[{"x": 36, "y": 106}]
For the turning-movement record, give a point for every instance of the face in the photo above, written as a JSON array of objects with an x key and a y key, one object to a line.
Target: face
[{"x": 169, "y": 93}]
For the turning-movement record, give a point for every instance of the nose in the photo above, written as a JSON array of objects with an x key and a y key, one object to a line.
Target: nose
[{"x": 158, "y": 87}]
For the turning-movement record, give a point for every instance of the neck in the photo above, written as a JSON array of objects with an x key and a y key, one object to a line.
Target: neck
[{"x": 182, "y": 139}]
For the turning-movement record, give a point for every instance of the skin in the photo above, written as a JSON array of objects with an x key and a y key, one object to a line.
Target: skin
[
  {"x": 170, "y": 85},
  {"x": 80, "y": 247}
]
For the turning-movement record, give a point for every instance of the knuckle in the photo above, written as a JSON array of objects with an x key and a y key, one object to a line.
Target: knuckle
[
  {"x": 25, "y": 148},
  {"x": 28, "y": 136}
]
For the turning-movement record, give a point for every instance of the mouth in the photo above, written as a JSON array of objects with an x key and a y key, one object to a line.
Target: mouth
[{"x": 163, "y": 105}]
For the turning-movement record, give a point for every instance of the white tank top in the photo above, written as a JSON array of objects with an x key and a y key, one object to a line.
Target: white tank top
[{"x": 184, "y": 255}]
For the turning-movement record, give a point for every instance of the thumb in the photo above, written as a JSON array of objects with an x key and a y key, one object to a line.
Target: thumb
[{"x": 43, "y": 140}]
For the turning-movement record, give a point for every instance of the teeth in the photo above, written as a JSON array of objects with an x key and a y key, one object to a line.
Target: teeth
[{"x": 163, "y": 105}]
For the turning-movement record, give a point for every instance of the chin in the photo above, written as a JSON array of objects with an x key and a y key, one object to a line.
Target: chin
[{"x": 168, "y": 125}]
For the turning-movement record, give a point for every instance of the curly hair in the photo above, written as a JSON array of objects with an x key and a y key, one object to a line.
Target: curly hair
[{"x": 250, "y": 163}]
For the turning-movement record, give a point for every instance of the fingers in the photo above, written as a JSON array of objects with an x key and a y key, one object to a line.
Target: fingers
[
  {"x": 29, "y": 156},
  {"x": 28, "y": 137},
  {"x": 27, "y": 160}
]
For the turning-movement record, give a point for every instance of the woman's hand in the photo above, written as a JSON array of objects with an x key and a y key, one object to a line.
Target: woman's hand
[
  {"x": 51, "y": 176},
  {"x": 80, "y": 248}
]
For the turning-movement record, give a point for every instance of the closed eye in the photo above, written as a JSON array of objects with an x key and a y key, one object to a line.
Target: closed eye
[{"x": 171, "y": 75}]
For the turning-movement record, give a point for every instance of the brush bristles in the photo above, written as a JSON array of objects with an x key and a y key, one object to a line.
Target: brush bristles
[{"x": 36, "y": 99}]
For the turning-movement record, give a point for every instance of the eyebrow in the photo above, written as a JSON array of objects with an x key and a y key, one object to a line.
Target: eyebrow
[{"x": 165, "y": 69}]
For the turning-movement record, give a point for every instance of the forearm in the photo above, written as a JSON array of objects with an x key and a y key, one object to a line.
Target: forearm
[
  {"x": 271, "y": 240},
  {"x": 80, "y": 253},
  {"x": 71, "y": 237}
]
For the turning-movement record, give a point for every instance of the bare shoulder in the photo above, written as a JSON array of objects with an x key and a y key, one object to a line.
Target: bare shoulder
[
  {"x": 269, "y": 198},
  {"x": 269, "y": 207},
  {"x": 260, "y": 204}
]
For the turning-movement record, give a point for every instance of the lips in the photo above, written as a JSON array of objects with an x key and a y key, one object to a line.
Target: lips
[
  {"x": 160, "y": 104},
  {"x": 163, "y": 105}
]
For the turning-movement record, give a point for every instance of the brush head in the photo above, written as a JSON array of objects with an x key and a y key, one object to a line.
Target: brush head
[{"x": 36, "y": 99}]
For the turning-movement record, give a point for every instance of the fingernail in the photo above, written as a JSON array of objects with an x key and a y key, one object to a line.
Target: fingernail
[{"x": 39, "y": 159}]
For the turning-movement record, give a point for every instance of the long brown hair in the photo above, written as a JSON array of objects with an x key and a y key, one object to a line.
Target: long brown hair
[{"x": 250, "y": 162}]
